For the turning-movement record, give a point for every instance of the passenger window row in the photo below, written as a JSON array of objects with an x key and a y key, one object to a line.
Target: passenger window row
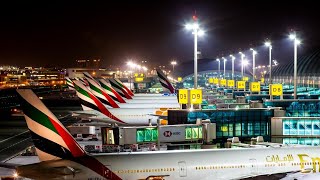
[{"x": 145, "y": 170}]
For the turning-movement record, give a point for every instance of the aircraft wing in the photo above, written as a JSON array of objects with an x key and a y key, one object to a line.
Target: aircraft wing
[
  {"x": 83, "y": 114},
  {"x": 284, "y": 176},
  {"x": 9, "y": 165}
]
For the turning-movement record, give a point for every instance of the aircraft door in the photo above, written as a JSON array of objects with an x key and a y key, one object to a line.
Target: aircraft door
[
  {"x": 108, "y": 172},
  {"x": 182, "y": 169},
  {"x": 254, "y": 166}
]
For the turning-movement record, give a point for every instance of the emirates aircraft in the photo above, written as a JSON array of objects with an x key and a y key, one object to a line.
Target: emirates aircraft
[
  {"x": 94, "y": 109},
  {"x": 125, "y": 92},
  {"x": 61, "y": 157},
  {"x": 118, "y": 91},
  {"x": 103, "y": 96}
]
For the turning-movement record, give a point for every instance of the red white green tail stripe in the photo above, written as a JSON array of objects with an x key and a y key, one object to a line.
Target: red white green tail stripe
[
  {"x": 111, "y": 92},
  {"x": 119, "y": 89},
  {"x": 100, "y": 93},
  {"x": 52, "y": 140},
  {"x": 164, "y": 81},
  {"x": 90, "y": 102},
  {"x": 43, "y": 123},
  {"x": 124, "y": 86},
  {"x": 69, "y": 83}
]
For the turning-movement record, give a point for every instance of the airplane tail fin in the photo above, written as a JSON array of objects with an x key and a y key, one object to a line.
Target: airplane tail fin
[
  {"x": 83, "y": 81},
  {"x": 112, "y": 93},
  {"x": 90, "y": 102},
  {"x": 164, "y": 81},
  {"x": 119, "y": 89},
  {"x": 97, "y": 90},
  {"x": 51, "y": 139},
  {"x": 69, "y": 83},
  {"x": 124, "y": 86}
]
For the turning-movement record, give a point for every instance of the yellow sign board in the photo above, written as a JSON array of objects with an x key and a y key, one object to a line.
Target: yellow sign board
[
  {"x": 230, "y": 83},
  {"x": 245, "y": 78},
  {"x": 241, "y": 84},
  {"x": 139, "y": 79},
  {"x": 196, "y": 96},
  {"x": 211, "y": 80},
  {"x": 275, "y": 89},
  {"x": 262, "y": 80},
  {"x": 216, "y": 81},
  {"x": 223, "y": 82},
  {"x": 255, "y": 87},
  {"x": 183, "y": 96},
  {"x": 179, "y": 79}
]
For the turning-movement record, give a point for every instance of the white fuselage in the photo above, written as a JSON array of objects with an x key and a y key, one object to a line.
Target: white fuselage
[
  {"x": 224, "y": 164},
  {"x": 213, "y": 164},
  {"x": 149, "y": 105},
  {"x": 147, "y": 101},
  {"x": 137, "y": 116}
]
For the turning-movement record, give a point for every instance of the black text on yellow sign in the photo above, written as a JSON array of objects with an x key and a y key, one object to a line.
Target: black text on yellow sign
[
  {"x": 241, "y": 84},
  {"x": 223, "y": 82},
  {"x": 230, "y": 83},
  {"x": 216, "y": 81},
  {"x": 255, "y": 87},
  {"x": 183, "y": 96},
  {"x": 211, "y": 80},
  {"x": 196, "y": 96},
  {"x": 275, "y": 89}
]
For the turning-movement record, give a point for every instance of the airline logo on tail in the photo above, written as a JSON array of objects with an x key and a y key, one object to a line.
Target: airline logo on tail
[
  {"x": 69, "y": 83},
  {"x": 89, "y": 101},
  {"x": 101, "y": 94},
  {"x": 111, "y": 92},
  {"x": 119, "y": 89},
  {"x": 51, "y": 139},
  {"x": 164, "y": 81}
]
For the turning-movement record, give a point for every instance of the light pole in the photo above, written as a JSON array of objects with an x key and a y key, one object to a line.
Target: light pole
[
  {"x": 296, "y": 43},
  {"x": 253, "y": 64},
  {"x": 244, "y": 63},
  {"x": 173, "y": 63},
  {"x": 268, "y": 44},
  {"x": 196, "y": 32},
  {"x": 224, "y": 67},
  {"x": 218, "y": 67},
  {"x": 242, "y": 58},
  {"x": 232, "y": 58}
]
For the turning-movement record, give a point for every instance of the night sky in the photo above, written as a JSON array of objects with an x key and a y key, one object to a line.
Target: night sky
[{"x": 56, "y": 33}]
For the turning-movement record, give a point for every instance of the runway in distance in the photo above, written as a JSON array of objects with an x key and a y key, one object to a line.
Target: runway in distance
[{"x": 62, "y": 158}]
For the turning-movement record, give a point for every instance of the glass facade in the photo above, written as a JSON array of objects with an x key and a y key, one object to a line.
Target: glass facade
[
  {"x": 301, "y": 127},
  {"x": 302, "y": 141},
  {"x": 307, "y": 108},
  {"x": 241, "y": 123}
]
